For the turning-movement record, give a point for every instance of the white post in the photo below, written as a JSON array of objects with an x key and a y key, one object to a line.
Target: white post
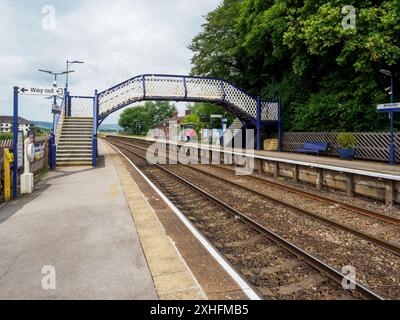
[{"x": 27, "y": 182}]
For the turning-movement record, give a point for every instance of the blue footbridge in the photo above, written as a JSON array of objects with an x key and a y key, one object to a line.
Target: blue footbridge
[{"x": 88, "y": 112}]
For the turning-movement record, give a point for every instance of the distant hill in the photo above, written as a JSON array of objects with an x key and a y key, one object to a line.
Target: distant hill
[
  {"x": 110, "y": 127},
  {"x": 43, "y": 124},
  {"x": 103, "y": 127}
]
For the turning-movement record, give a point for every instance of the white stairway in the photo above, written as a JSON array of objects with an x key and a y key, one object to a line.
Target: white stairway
[{"x": 75, "y": 145}]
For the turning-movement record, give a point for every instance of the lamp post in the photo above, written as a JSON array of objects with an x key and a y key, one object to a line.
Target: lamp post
[
  {"x": 389, "y": 74},
  {"x": 68, "y": 63},
  {"x": 56, "y": 74}
]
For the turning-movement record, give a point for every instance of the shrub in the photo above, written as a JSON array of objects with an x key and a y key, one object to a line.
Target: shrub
[
  {"x": 347, "y": 140},
  {"x": 6, "y": 136}
]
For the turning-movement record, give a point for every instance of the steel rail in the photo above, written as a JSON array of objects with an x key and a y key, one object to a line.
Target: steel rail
[
  {"x": 373, "y": 214},
  {"x": 314, "y": 262},
  {"x": 380, "y": 216}
]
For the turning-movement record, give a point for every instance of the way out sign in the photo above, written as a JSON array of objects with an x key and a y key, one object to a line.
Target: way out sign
[
  {"x": 37, "y": 91},
  {"x": 389, "y": 107}
]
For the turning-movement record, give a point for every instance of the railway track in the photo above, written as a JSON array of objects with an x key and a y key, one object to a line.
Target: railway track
[
  {"x": 335, "y": 213},
  {"x": 329, "y": 201},
  {"x": 392, "y": 247},
  {"x": 309, "y": 195},
  {"x": 277, "y": 268}
]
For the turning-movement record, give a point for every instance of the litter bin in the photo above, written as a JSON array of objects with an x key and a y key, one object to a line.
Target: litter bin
[{"x": 271, "y": 145}]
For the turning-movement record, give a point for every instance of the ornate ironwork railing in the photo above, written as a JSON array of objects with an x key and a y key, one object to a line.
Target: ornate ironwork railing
[
  {"x": 186, "y": 88},
  {"x": 81, "y": 106}
]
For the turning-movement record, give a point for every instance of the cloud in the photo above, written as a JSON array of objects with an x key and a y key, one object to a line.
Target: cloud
[{"x": 116, "y": 39}]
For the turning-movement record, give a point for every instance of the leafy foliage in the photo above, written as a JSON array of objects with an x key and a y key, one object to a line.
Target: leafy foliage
[
  {"x": 139, "y": 120},
  {"x": 40, "y": 132},
  {"x": 347, "y": 140},
  {"x": 6, "y": 136},
  {"x": 328, "y": 76}
]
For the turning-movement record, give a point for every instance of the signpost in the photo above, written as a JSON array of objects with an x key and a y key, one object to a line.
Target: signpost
[
  {"x": 391, "y": 108},
  {"x": 18, "y": 139},
  {"x": 37, "y": 91}
]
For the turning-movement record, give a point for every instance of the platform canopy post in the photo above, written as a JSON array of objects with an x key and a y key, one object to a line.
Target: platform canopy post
[
  {"x": 280, "y": 146},
  {"x": 259, "y": 123},
  {"x": 15, "y": 143}
]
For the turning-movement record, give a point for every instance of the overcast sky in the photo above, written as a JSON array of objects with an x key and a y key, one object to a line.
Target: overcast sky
[{"x": 116, "y": 39}]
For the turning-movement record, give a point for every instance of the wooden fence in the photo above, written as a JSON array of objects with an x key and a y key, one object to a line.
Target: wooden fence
[
  {"x": 41, "y": 162},
  {"x": 370, "y": 146}
]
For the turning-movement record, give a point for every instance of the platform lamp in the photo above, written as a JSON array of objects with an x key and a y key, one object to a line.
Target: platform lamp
[
  {"x": 56, "y": 74},
  {"x": 68, "y": 63},
  {"x": 389, "y": 74}
]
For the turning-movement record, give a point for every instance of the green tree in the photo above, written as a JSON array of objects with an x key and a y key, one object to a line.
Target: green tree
[
  {"x": 140, "y": 119},
  {"x": 214, "y": 47},
  {"x": 39, "y": 132},
  {"x": 328, "y": 76},
  {"x": 6, "y": 136}
]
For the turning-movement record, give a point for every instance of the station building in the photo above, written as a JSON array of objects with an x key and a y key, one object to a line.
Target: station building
[{"x": 6, "y": 124}]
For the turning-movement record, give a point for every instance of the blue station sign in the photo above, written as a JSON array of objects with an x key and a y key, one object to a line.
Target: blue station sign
[{"x": 389, "y": 107}]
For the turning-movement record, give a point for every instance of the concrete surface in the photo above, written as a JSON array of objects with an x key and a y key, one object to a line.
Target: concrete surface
[
  {"x": 77, "y": 221},
  {"x": 172, "y": 277},
  {"x": 178, "y": 273}
]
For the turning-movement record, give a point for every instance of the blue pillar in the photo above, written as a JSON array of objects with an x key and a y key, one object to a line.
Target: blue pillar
[
  {"x": 69, "y": 105},
  {"x": 53, "y": 147},
  {"x": 259, "y": 124},
  {"x": 66, "y": 106},
  {"x": 94, "y": 140},
  {"x": 280, "y": 147},
  {"x": 53, "y": 151},
  {"x": 15, "y": 143},
  {"x": 392, "y": 145}
]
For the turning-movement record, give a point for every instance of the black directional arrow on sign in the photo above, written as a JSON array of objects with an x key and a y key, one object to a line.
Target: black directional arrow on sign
[{"x": 23, "y": 90}]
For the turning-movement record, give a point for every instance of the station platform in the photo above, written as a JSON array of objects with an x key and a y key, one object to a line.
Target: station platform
[
  {"x": 362, "y": 165},
  {"x": 101, "y": 237},
  {"x": 376, "y": 181}
]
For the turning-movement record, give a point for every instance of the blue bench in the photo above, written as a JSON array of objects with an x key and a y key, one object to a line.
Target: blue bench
[{"x": 314, "y": 147}]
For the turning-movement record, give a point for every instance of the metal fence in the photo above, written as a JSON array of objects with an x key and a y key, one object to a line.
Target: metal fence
[
  {"x": 41, "y": 157},
  {"x": 81, "y": 106},
  {"x": 1, "y": 174},
  {"x": 6, "y": 144},
  {"x": 370, "y": 146}
]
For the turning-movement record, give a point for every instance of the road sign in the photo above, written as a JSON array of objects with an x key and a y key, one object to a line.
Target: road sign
[
  {"x": 37, "y": 91},
  {"x": 389, "y": 107},
  {"x": 56, "y": 109}
]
